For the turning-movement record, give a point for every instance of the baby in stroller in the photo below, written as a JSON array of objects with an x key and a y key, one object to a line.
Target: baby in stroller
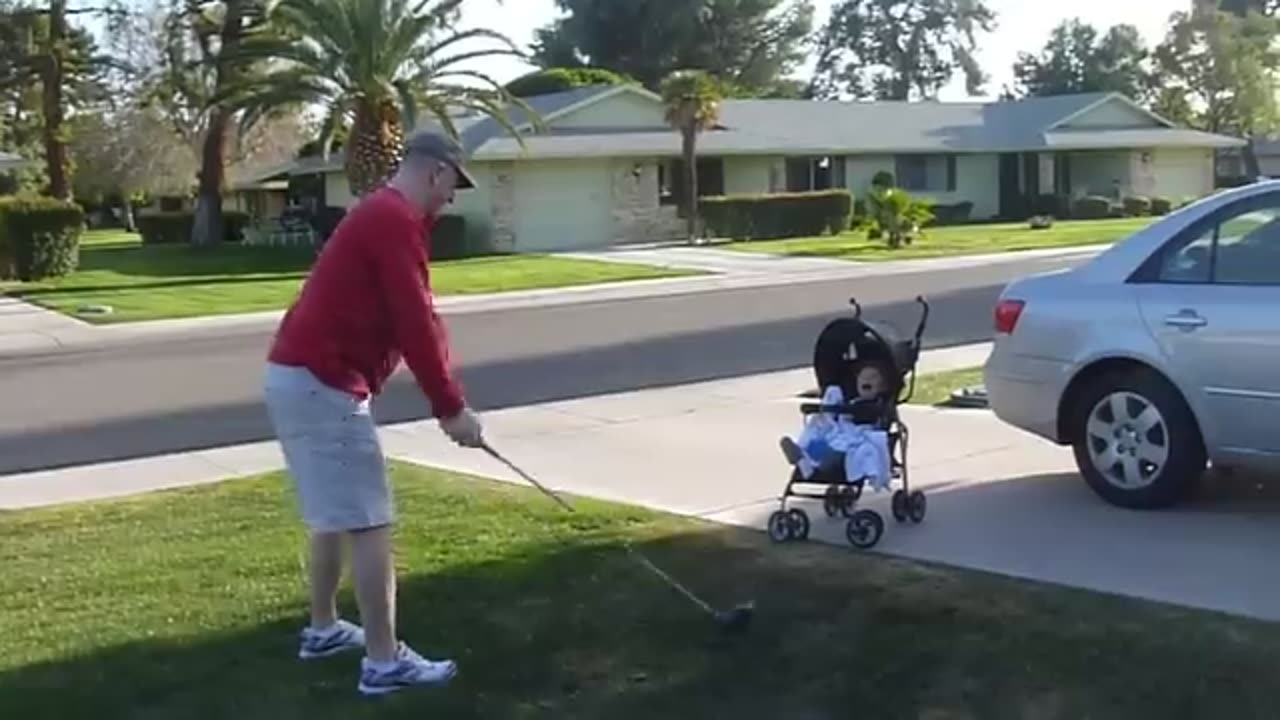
[
  {"x": 828, "y": 437},
  {"x": 854, "y": 437}
]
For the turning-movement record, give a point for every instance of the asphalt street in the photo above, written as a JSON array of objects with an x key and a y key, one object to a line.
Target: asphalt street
[{"x": 161, "y": 396}]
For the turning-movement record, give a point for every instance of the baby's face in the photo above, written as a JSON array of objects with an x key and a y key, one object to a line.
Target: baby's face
[{"x": 870, "y": 383}]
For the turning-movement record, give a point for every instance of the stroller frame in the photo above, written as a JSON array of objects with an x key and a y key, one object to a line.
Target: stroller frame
[{"x": 833, "y": 366}]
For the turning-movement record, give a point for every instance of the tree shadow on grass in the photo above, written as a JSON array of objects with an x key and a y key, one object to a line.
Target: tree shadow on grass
[{"x": 576, "y": 631}]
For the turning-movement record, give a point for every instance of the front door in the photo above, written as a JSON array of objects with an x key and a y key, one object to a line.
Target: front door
[
  {"x": 1213, "y": 304},
  {"x": 1011, "y": 200}
]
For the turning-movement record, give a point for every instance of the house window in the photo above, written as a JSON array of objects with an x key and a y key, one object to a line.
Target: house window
[
  {"x": 671, "y": 178},
  {"x": 926, "y": 173},
  {"x": 815, "y": 173}
]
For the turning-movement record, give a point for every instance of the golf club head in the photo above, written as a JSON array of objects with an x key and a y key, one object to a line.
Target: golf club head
[{"x": 736, "y": 619}]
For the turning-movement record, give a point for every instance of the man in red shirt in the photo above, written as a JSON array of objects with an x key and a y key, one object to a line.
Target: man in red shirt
[{"x": 366, "y": 304}]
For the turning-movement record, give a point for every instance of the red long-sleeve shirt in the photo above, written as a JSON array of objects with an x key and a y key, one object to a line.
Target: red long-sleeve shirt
[{"x": 367, "y": 303}]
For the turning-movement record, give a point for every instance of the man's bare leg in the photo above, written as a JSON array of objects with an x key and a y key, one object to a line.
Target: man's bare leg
[
  {"x": 326, "y": 574},
  {"x": 375, "y": 580}
]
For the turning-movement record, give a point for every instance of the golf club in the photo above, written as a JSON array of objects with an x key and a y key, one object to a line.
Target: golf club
[{"x": 734, "y": 619}]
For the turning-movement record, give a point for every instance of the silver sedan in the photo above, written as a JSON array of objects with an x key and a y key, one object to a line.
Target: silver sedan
[{"x": 1158, "y": 356}]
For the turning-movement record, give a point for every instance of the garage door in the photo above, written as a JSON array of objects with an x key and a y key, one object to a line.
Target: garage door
[
  {"x": 1182, "y": 173},
  {"x": 562, "y": 205}
]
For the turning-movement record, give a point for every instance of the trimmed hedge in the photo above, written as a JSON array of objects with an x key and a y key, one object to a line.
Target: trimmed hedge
[
  {"x": 1161, "y": 206},
  {"x": 1137, "y": 206},
  {"x": 1093, "y": 207},
  {"x": 39, "y": 238},
  {"x": 953, "y": 213},
  {"x": 175, "y": 227},
  {"x": 449, "y": 239},
  {"x": 777, "y": 215}
]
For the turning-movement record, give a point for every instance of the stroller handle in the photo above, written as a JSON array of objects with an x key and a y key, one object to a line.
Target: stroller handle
[{"x": 924, "y": 318}]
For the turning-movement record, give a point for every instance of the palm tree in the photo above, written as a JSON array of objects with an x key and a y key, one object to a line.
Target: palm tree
[
  {"x": 692, "y": 99},
  {"x": 373, "y": 64}
]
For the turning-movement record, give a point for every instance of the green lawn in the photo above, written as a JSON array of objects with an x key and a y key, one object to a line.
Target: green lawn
[
  {"x": 953, "y": 240},
  {"x": 936, "y": 388},
  {"x": 150, "y": 282},
  {"x": 186, "y": 605}
]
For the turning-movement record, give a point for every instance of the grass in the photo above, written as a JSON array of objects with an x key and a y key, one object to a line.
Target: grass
[
  {"x": 186, "y": 604},
  {"x": 151, "y": 282},
  {"x": 953, "y": 240},
  {"x": 936, "y": 388}
]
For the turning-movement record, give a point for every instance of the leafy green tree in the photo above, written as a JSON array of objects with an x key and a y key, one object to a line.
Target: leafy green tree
[
  {"x": 900, "y": 49},
  {"x": 749, "y": 45},
  {"x": 1077, "y": 60}
]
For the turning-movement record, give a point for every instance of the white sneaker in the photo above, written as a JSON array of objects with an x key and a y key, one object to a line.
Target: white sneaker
[
  {"x": 340, "y": 637},
  {"x": 409, "y": 670}
]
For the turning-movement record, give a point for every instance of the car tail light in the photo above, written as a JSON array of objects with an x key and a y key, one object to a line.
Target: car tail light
[{"x": 1007, "y": 314}]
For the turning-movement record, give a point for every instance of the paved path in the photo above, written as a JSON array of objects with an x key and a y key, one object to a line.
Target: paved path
[
  {"x": 999, "y": 500},
  {"x": 169, "y": 394}
]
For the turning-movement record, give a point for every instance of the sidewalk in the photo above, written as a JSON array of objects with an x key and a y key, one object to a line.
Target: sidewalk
[
  {"x": 999, "y": 500},
  {"x": 53, "y": 331}
]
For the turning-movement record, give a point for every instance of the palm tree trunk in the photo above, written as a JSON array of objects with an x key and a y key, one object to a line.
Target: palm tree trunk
[
  {"x": 374, "y": 145},
  {"x": 55, "y": 145},
  {"x": 206, "y": 226},
  {"x": 689, "y": 147}
]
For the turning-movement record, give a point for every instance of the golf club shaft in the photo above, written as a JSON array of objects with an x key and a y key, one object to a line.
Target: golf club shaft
[
  {"x": 528, "y": 478},
  {"x": 630, "y": 550}
]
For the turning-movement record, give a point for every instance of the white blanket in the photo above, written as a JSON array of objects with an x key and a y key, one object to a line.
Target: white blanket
[{"x": 865, "y": 448}]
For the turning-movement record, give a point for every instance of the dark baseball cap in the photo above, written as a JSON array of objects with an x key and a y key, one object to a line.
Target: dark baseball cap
[{"x": 427, "y": 143}]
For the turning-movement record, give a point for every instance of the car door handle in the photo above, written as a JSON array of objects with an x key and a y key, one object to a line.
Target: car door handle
[{"x": 1187, "y": 319}]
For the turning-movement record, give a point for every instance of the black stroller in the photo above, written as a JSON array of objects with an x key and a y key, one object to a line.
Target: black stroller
[{"x": 874, "y": 367}]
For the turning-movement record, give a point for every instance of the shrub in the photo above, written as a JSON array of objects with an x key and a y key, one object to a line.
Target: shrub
[
  {"x": 1058, "y": 206},
  {"x": 777, "y": 215},
  {"x": 953, "y": 213},
  {"x": 882, "y": 179},
  {"x": 1137, "y": 206},
  {"x": 1092, "y": 207},
  {"x": 1161, "y": 206},
  {"x": 449, "y": 239},
  {"x": 559, "y": 79},
  {"x": 896, "y": 216},
  {"x": 39, "y": 238},
  {"x": 175, "y": 227}
]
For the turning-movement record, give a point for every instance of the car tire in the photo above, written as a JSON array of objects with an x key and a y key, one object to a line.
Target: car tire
[{"x": 1186, "y": 459}]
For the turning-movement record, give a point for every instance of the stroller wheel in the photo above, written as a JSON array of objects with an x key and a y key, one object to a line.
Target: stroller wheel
[
  {"x": 864, "y": 529},
  {"x": 900, "y": 506},
  {"x": 831, "y": 501},
  {"x": 779, "y": 527},
  {"x": 916, "y": 506},
  {"x": 799, "y": 521},
  {"x": 849, "y": 495}
]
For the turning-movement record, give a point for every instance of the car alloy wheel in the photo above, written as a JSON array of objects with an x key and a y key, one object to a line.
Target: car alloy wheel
[{"x": 1127, "y": 440}]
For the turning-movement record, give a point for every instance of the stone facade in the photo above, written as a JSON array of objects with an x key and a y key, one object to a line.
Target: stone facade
[
  {"x": 637, "y": 215},
  {"x": 502, "y": 207}
]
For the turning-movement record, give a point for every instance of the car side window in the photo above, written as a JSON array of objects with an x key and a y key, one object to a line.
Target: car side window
[
  {"x": 1248, "y": 251},
  {"x": 1241, "y": 248}
]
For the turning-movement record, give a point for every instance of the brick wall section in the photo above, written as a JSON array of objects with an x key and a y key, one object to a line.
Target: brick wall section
[
  {"x": 637, "y": 216},
  {"x": 503, "y": 207}
]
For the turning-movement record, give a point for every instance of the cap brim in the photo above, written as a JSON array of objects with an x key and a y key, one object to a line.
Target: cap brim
[{"x": 465, "y": 181}]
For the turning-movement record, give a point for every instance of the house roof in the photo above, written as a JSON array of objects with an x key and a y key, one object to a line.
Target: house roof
[{"x": 804, "y": 127}]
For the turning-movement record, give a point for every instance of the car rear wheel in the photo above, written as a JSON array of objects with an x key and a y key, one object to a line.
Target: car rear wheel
[{"x": 1136, "y": 442}]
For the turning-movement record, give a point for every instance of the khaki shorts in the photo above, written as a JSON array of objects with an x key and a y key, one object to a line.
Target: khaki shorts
[{"x": 331, "y": 449}]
